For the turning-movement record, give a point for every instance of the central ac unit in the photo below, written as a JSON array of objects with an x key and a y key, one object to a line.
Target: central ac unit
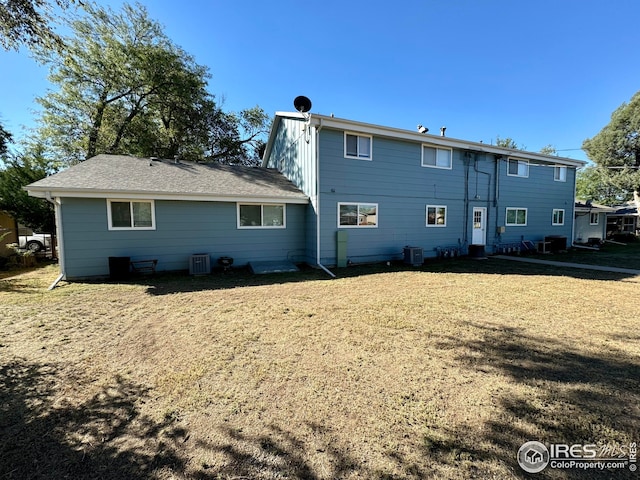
[
  {"x": 413, "y": 256},
  {"x": 200, "y": 264}
]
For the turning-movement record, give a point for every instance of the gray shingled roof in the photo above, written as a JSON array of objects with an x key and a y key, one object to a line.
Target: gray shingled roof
[{"x": 119, "y": 174}]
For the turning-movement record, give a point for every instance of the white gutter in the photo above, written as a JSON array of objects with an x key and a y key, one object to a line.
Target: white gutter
[
  {"x": 317, "y": 200},
  {"x": 59, "y": 238}
]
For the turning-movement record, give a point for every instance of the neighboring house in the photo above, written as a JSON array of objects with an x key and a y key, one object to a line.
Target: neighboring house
[
  {"x": 623, "y": 220},
  {"x": 330, "y": 192},
  {"x": 120, "y": 206},
  {"x": 384, "y": 188},
  {"x": 590, "y": 222},
  {"x": 9, "y": 226}
]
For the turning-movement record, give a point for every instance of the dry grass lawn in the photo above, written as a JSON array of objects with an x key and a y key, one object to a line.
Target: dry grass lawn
[{"x": 439, "y": 372}]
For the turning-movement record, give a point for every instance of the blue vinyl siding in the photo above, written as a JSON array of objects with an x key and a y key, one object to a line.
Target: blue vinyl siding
[
  {"x": 540, "y": 194},
  {"x": 396, "y": 181},
  {"x": 402, "y": 188},
  {"x": 182, "y": 229},
  {"x": 293, "y": 154}
]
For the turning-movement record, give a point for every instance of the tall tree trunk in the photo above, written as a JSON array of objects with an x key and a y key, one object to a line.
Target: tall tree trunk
[{"x": 92, "y": 144}]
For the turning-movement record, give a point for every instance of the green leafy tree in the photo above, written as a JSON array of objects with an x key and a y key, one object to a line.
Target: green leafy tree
[
  {"x": 549, "y": 150},
  {"x": 508, "y": 143},
  {"x": 28, "y": 22},
  {"x": 594, "y": 183},
  {"x": 5, "y": 139},
  {"x": 616, "y": 148},
  {"x": 19, "y": 171},
  {"x": 124, "y": 87}
]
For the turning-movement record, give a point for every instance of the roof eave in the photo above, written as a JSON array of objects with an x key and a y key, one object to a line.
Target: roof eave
[
  {"x": 392, "y": 132},
  {"x": 44, "y": 192}
]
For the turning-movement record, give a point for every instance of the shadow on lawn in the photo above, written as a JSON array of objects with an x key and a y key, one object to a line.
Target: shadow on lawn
[
  {"x": 43, "y": 435},
  {"x": 573, "y": 398}
]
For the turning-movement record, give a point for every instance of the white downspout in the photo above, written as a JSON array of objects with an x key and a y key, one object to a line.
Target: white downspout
[
  {"x": 59, "y": 238},
  {"x": 317, "y": 201}
]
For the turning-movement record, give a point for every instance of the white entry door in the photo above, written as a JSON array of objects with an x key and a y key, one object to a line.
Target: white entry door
[{"x": 479, "y": 235}]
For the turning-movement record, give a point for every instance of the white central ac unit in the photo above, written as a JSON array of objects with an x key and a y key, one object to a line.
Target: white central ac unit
[{"x": 200, "y": 264}]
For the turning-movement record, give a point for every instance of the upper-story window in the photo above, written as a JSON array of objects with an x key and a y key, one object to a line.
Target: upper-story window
[
  {"x": 518, "y": 168},
  {"x": 357, "y": 146},
  {"x": 560, "y": 173},
  {"x": 436, "y": 157}
]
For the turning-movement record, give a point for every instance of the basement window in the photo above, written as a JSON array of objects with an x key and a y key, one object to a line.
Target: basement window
[{"x": 131, "y": 214}]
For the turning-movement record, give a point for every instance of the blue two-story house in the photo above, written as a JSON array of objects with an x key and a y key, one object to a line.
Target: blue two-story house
[
  {"x": 330, "y": 192},
  {"x": 374, "y": 190}
]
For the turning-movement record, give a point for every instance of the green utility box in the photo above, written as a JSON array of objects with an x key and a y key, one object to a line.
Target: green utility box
[{"x": 341, "y": 248}]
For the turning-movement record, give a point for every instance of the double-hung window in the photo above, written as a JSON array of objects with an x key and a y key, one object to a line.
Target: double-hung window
[
  {"x": 436, "y": 216},
  {"x": 357, "y": 146},
  {"x": 518, "y": 168},
  {"x": 560, "y": 173},
  {"x": 131, "y": 215},
  {"x": 516, "y": 216},
  {"x": 358, "y": 215},
  {"x": 261, "y": 215},
  {"x": 436, "y": 157},
  {"x": 558, "y": 216}
]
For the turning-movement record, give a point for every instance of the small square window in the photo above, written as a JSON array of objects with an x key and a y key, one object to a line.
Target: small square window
[
  {"x": 594, "y": 218},
  {"x": 357, "y": 146},
  {"x": 436, "y": 216},
  {"x": 560, "y": 173},
  {"x": 558, "y": 217},
  {"x": 436, "y": 157},
  {"x": 518, "y": 168}
]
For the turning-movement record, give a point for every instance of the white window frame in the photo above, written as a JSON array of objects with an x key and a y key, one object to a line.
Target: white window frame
[
  {"x": 436, "y": 225},
  {"x": 358, "y": 204},
  {"x": 436, "y": 148},
  {"x": 526, "y": 217},
  {"x": 262, "y": 225},
  {"x": 358, "y": 136},
  {"x": 130, "y": 201},
  {"x": 597, "y": 216},
  {"x": 560, "y": 173},
  {"x": 524, "y": 163},
  {"x": 554, "y": 220}
]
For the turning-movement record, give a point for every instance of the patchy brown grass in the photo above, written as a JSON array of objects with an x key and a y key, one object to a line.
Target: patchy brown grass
[{"x": 385, "y": 373}]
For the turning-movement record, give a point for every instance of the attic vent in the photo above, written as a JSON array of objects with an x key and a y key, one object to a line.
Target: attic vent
[{"x": 200, "y": 264}]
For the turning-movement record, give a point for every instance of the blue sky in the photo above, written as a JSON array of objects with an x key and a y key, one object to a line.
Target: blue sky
[{"x": 541, "y": 72}]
